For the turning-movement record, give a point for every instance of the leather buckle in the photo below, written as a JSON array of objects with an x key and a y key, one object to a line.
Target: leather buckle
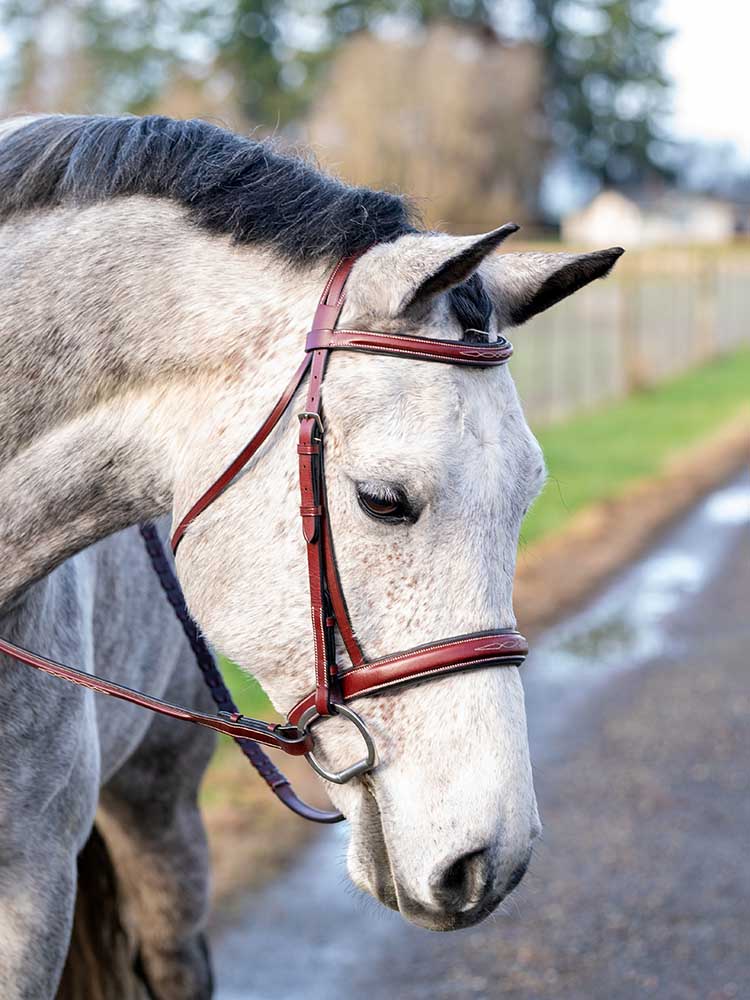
[
  {"x": 308, "y": 415},
  {"x": 292, "y": 735},
  {"x": 286, "y": 735}
]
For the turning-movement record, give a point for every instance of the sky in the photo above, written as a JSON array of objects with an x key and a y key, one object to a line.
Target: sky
[{"x": 709, "y": 61}]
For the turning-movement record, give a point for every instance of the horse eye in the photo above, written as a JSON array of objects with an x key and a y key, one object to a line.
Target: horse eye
[{"x": 393, "y": 508}]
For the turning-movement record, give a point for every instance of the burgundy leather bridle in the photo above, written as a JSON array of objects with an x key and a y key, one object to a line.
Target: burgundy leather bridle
[{"x": 334, "y": 687}]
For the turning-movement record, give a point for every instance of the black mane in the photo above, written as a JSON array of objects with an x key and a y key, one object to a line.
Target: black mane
[{"x": 228, "y": 184}]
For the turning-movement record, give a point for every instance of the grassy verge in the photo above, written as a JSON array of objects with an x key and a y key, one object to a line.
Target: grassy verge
[
  {"x": 252, "y": 701},
  {"x": 592, "y": 457},
  {"x": 249, "y": 695}
]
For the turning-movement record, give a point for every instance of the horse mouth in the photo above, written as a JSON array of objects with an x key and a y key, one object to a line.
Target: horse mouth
[
  {"x": 374, "y": 872},
  {"x": 447, "y": 920}
]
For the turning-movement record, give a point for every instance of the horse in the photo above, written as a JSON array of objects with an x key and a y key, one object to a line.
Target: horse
[{"x": 159, "y": 275}]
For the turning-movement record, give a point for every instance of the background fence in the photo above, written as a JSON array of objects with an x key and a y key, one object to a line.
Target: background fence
[{"x": 660, "y": 313}]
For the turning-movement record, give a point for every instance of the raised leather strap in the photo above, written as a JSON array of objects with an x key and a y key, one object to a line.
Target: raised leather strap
[
  {"x": 454, "y": 352},
  {"x": 504, "y": 647},
  {"x": 312, "y": 493},
  {"x": 332, "y": 298},
  {"x": 336, "y": 595},
  {"x": 288, "y": 739}
]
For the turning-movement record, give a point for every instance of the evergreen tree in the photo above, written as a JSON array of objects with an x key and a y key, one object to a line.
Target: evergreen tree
[{"x": 606, "y": 91}]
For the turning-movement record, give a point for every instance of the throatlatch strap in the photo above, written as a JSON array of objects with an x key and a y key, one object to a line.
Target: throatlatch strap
[{"x": 229, "y": 474}]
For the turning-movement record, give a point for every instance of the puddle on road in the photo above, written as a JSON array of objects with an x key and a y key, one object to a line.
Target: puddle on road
[
  {"x": 302, "y": 938},
  {"x": 629, "y": 623},
  {"x": 730, "y": 506}
]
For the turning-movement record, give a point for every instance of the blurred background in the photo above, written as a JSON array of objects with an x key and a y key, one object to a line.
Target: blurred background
[{"x": 592, "y": 123}]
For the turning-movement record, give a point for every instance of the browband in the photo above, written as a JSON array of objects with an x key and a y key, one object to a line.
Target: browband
[{"x": 404, "y": 345}]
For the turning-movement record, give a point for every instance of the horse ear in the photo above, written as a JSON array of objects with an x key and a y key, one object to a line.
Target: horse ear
[
  {"x": 402, "y": 278},
  {"x": 448, "y": 262},
  {"x": 524, "y": 284}
]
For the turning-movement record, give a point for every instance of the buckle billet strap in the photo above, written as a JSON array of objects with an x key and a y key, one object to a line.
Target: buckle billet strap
[
  {"x": 313, "y": 512},
  {"x": 306, "y": 415}
]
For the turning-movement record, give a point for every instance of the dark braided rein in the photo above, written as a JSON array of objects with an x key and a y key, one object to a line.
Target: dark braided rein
[{"x": 276, "y": 781}]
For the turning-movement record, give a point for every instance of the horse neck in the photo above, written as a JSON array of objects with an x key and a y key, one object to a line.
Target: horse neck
[{"x": 130, "y": 338}]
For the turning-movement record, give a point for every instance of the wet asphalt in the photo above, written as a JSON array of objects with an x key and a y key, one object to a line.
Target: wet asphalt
[{"x": 639, "y": 711}]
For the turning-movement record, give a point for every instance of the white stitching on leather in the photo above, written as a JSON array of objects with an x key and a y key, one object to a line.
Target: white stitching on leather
[
  {"x": 500, "y": 356},
  {"x": 481, "y": 350},
  {"x": 331, "y": 278},
  {"x": 445, "y": 668},
  {"x": 418, "y": 652}
]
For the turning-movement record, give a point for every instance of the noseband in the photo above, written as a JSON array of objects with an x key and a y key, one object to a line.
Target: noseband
[{"x": 334, "y": 687}]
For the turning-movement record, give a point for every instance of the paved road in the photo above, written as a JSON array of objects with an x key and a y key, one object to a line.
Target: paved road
[{"x": 642, "y": 884}]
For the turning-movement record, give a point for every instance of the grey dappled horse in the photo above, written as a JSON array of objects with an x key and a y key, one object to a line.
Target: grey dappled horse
[{"x": 158, "y": 278}]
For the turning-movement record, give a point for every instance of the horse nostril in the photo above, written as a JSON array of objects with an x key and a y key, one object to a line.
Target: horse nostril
[{"x": 462, "y": 884}]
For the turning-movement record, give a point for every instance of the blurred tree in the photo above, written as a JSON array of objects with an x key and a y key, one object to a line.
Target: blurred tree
[
  {"x": 472, "y": 147},
  {"x": 606, "y": 91},
  {"x": 98, "y": 55},
  {"x": 275, "y": 49}
]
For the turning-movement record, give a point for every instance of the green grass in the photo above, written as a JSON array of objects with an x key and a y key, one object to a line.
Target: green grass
[
  {"x": 246, "y": 691},
  {"x": 593, "y": 457}
]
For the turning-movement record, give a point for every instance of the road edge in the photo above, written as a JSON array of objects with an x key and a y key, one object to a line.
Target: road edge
[{"x": 557, "y": 573}]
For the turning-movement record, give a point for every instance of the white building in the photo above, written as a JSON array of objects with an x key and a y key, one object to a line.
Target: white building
[{"x": 667, "y": 218}]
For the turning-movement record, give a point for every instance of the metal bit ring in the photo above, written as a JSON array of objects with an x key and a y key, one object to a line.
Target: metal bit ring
[{"x": 362, "y": 766}]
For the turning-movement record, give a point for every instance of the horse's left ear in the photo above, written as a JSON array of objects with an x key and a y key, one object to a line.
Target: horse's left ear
[
  {"x": 524, "y": 284},
  {"x": 447, "y": 270}
]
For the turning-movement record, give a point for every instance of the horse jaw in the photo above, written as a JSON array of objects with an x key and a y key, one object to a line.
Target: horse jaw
[{"x": 442, "y": 794}]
